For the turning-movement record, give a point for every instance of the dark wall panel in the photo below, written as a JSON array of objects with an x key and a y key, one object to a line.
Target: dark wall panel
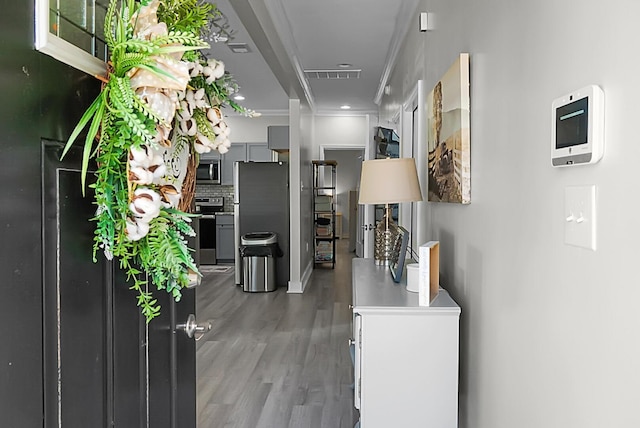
[{"x": 76, "y": 308}]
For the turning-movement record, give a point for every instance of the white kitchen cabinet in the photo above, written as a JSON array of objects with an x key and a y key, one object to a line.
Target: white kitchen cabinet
[
  {"x": 257, "y": 152},
  {"x": 406, "y": 356}
]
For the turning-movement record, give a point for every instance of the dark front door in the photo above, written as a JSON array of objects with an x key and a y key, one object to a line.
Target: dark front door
[
  {"x": 73, "y": 349},
  {"x": 103, "y": 365}
]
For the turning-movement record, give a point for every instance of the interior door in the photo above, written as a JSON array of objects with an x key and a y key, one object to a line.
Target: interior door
[{"x": 103, "y": 365}]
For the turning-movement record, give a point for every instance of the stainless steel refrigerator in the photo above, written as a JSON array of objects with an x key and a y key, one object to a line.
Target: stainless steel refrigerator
[{"x": 261, "y": 204}]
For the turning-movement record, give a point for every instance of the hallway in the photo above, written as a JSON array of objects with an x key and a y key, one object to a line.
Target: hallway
[{"x": 275, "y": 359}]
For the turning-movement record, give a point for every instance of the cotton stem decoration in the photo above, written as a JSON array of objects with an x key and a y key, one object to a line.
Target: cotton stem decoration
[{"x": 160, "y": 105}]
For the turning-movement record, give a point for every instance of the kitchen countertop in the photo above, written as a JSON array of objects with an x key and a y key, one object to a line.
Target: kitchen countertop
[{"x": 212, "y": 215}]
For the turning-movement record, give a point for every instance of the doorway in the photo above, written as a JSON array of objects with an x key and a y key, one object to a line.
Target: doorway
[
  {"x": 347, "y": 180},
  {"x": 413, "y": 133}
]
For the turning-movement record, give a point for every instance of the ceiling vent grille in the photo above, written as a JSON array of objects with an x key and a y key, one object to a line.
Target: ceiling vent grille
[
  {"x": 239, "y": 47},
  {"x": 332, "y": 74}
]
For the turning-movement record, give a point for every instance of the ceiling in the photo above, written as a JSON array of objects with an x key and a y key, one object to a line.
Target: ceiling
[{"x": 288, "y": 38}]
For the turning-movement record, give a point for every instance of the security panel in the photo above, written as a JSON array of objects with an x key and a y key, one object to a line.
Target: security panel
[{"x": 577, "y": 127}]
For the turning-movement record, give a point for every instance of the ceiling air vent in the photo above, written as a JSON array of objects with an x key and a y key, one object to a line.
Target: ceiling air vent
[
  {"x": 239, "y": 47},
  {"x": 332, "y": 74}
]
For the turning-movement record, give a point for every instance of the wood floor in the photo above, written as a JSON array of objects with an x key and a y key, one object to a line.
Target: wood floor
[{"x": 274, "y": 359}]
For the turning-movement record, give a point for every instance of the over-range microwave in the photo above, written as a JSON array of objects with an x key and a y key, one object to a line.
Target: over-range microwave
[{"x": 208, "y": 171}]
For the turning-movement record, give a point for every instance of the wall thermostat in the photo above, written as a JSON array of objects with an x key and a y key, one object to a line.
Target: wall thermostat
[{"x": 577, "y": 127}]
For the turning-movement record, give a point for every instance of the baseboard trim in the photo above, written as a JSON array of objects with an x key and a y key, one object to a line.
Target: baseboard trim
[
  {"x": 295, "y": 287},
  {"x": 298, "y": 287}
]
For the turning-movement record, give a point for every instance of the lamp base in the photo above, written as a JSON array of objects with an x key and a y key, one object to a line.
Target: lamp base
[{"x": 386, "y": 234}]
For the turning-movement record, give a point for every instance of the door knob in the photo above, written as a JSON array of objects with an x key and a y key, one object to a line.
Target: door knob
[{"x": 192, "y": 329}]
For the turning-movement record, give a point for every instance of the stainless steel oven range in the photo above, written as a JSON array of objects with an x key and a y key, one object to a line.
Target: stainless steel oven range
[{"x": 208, "y": 207}]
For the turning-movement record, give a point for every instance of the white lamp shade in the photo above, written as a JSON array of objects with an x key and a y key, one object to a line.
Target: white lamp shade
[{"x": 389, "y": 181}]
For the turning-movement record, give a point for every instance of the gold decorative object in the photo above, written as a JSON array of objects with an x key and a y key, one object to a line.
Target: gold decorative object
[{"x": 388, "y": 181}]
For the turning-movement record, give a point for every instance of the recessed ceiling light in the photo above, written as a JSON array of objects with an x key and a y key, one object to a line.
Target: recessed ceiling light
[
  {"x": 345, "y": 65},
  {"x": 345, "y": 107},
  {"x": 238, "y": 97}
]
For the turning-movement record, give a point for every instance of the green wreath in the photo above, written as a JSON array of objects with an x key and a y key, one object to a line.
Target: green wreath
[{"x": 160, "y": 96}]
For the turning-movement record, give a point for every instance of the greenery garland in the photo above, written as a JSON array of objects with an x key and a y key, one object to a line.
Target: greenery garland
[{"x": 160, "y": 91}]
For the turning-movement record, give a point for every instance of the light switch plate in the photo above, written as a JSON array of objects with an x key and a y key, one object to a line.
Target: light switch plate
[{"x": 580, "y": 216}]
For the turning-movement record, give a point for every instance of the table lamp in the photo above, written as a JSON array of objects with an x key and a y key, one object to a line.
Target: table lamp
[{"x": 388, "y": 181}]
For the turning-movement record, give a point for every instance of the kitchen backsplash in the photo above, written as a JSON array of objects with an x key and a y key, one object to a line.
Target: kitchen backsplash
[{"x": 215, "y": 190}]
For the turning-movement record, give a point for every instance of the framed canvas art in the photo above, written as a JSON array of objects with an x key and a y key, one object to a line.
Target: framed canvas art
[{"x": 448, "y": 135}]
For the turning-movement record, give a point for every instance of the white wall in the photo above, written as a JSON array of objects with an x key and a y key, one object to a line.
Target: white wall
[
  {"x": 549, "y": 332},
  {"x": 295, "y": 283},
  {"x": 339, "y": 131},
  {"x": 252, "y": 129},
  {"x": 306, "y": 215}
]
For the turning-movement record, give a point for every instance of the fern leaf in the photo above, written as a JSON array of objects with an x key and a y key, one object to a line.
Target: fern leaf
[
  {"x": 131, "y": 60},
  {"x": 108, "y": 23},
  {"x": 138, "y": 45}
]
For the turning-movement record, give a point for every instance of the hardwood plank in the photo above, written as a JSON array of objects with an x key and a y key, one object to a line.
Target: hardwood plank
[
  {"x": 306, "y": 416},
  {"x": 277, "y": 359}
]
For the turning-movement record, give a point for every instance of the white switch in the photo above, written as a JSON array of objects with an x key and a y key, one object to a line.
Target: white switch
[{"x": 580, "y": 216}]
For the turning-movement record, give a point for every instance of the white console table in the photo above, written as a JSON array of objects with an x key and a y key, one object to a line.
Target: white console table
[{"x": 406, "y": 355}]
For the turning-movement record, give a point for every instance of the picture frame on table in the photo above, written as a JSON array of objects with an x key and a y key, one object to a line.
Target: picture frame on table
[{"x": 398, "y": 254}]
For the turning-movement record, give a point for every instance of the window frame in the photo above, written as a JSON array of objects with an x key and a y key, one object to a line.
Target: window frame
[{"x": 60, "y": 49}]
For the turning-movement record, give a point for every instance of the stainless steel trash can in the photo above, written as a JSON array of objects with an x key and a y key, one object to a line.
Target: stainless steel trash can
[{"x": 258, "y": 251}]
